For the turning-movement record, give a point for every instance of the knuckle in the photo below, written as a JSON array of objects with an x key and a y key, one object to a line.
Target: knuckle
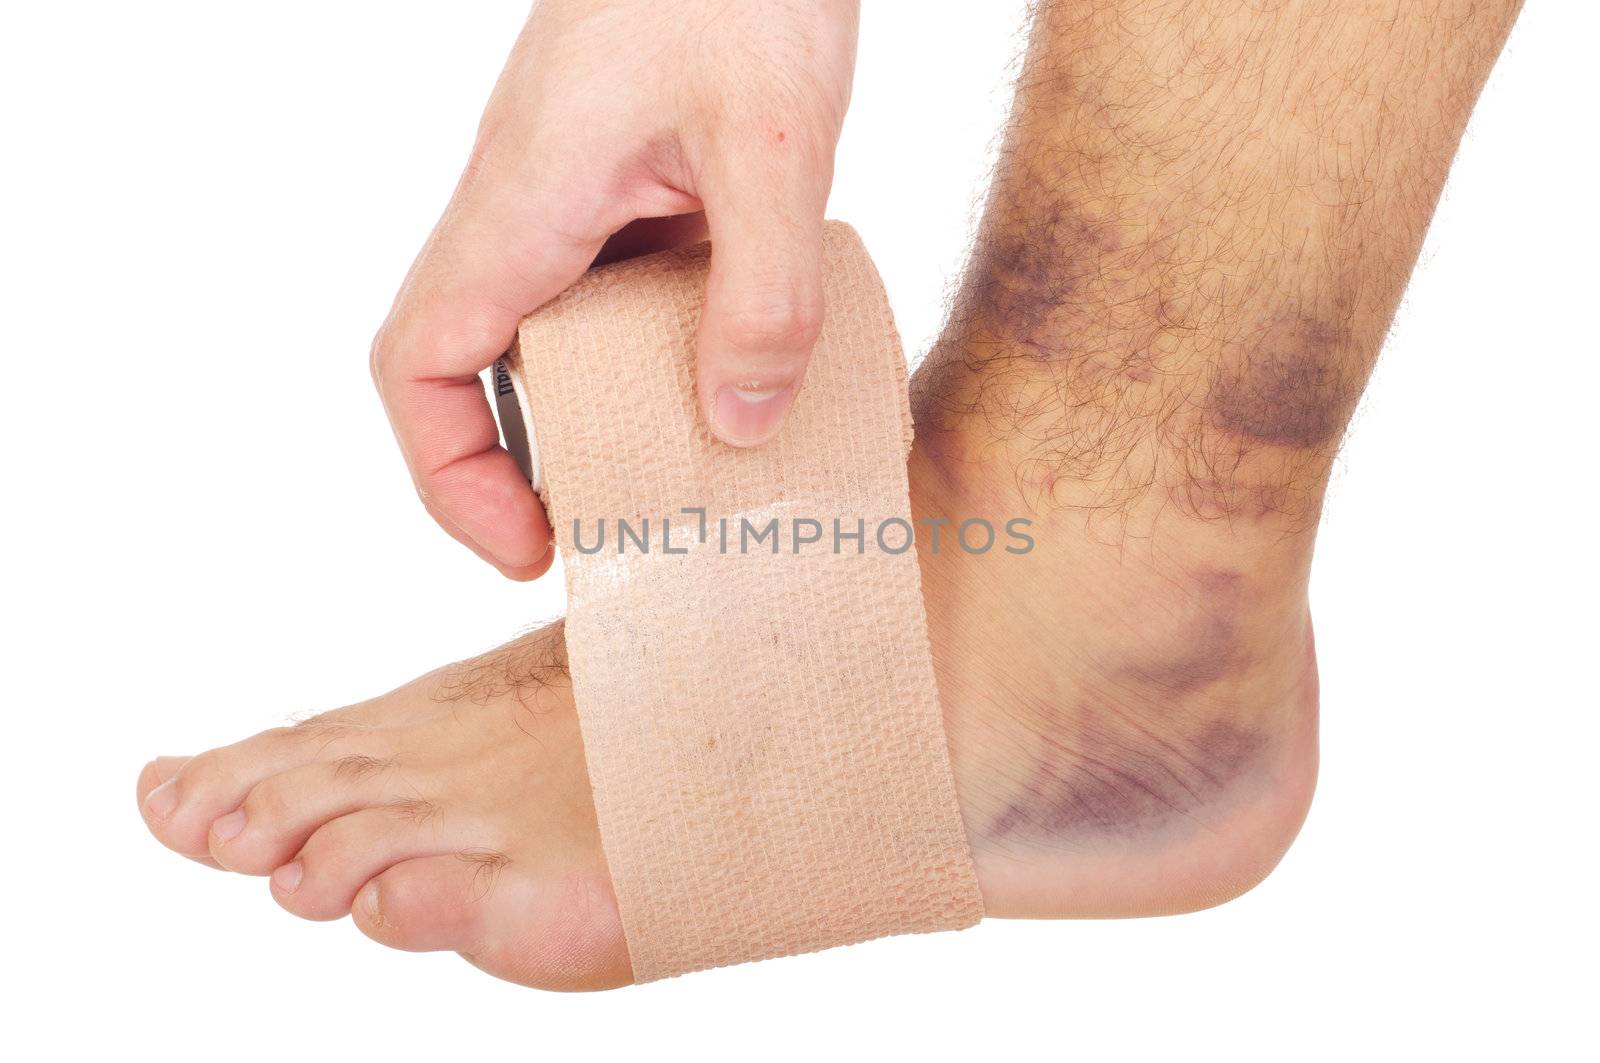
[
  {"x": 401, "y": 896},
  {"x": 320, "y": 731},
  {"x": 326, "y": 847},
  {"x": 414, "y": 811},
  {"x": 204, "y": 776},
  {"x": 789, "y": 325},
  {"x": 481, "y": 159},
  {"x": 493, "y": 160},
  {"x": 427, "y": 485},
  {"x": 377, "y": 358},
  {"x": 355, "y": 767},
  {"x": 267, "y": 803}
]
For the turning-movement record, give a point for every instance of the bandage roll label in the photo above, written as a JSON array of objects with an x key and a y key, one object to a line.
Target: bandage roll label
[
  {"x": 516, "y": 427},
  {"x": 753, "y": 678}
]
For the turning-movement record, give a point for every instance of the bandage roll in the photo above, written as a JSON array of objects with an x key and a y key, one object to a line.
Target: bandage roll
[{"x": 745, "y": 628}]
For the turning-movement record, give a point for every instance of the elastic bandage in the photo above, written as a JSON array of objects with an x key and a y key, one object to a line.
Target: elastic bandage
[{"x": 753, "y": 677}]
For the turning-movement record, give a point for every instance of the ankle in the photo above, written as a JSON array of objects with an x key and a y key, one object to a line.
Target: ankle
[
  {"x": 1136, "y": 716},
  {"x": 1151, "y": 782}
]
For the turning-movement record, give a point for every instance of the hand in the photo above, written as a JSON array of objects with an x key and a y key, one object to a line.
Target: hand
[{"x": 711, "y": 115}]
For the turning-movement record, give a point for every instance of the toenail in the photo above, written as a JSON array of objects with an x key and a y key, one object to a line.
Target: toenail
[
  {"x": 368, "y": 902},
  {"x": 163, "y": 799},
  {"x": 228, "y": 827},
  {"x": 287, "y": 878}
]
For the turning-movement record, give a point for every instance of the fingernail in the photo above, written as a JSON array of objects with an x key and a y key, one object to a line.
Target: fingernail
[
  {"x": 228, "y": 827},
  {"x": 163, "y": 799},
  {"x": 369, "y": 903},
  {"x": 287, "y": 878},
  {"x": 525, "y": 562},
  {"x": 748, "y": 414}
]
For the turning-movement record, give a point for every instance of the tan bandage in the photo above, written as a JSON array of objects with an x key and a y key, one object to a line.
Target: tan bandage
[{"x": 762, "y": 729}]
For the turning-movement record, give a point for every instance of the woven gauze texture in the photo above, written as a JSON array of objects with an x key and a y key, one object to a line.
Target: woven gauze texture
[{"x": 762, "y": 728}]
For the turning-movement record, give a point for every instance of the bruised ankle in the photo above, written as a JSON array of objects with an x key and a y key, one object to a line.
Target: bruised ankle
[{"x": 1131, "y": 720}]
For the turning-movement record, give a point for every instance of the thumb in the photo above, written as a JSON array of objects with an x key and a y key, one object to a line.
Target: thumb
[{"x": 763, "y": 310}]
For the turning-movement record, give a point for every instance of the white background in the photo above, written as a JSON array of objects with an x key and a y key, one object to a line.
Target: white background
[{"x": 206, "y": 208}]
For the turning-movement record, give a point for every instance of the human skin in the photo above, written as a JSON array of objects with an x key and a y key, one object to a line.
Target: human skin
[
  {"x": 1203, "y": 218},
  {"x": 695, "y": 116}
]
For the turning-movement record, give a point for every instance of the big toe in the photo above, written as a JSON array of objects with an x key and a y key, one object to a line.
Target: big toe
[
  {"x": 549, "y": 931},
  {"x": 157, "y": 772},
  {"x": 152, "y": 777}
]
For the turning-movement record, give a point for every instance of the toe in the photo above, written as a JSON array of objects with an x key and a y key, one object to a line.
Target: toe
[
  {"x": 282, "y": 811},
  {"x": 180, "y": 811},
  {"x": 556, "y": 931},
  {"x": 157, "y": 772},
  {"x": 431, "y": 904},
  {"x": 341, "y": 855},
  {"x": 154, "y": 775}
]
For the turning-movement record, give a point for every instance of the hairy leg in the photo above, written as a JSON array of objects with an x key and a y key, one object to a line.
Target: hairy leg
[{"x": 1202, "y": 220}]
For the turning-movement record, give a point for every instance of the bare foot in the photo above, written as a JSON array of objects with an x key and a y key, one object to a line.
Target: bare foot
[
  {"x": 453, "y": 813},
  {"x": 1130, "y": 734}
]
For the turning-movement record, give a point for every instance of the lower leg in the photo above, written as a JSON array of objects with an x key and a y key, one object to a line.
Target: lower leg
[
  {"x": 1200, "y": 227},
  {"x": 1201, "y": 223}
]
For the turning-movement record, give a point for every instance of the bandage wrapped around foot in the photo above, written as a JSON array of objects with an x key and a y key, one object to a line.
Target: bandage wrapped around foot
[{"x": 745, "y": 627}]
